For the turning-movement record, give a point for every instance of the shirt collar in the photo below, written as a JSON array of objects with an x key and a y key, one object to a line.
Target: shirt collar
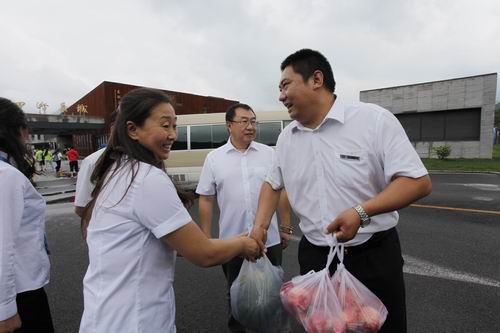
[
  {"x": 229, "y": 146},
  {"x": 336, "y": 113}
]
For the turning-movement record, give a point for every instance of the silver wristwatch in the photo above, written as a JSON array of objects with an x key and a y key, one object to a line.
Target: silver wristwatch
[{"x": 365, "y": 219}]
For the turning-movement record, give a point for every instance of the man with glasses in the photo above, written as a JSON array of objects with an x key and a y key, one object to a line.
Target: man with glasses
[{"x": 234, "y": 173}]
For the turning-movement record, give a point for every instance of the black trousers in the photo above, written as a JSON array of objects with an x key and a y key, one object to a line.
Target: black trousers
[
  {"x": 33, "y": 308},
  {"x": 231, "y": 270},
  {"x": 73, "y": 166},
  {"x": 377, "y": 263}
]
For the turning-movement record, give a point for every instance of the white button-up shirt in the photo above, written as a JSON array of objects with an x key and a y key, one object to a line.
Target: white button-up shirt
[
  {"x": 349, "y": 158},
  {"x": 84, "y": 186},
  {"x": 236, "y": 178},
  {"x": 128, "y": 284},
  {"x": 24, "y": 264}
]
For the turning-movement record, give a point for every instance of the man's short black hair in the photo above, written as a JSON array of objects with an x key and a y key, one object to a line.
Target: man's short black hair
[
  {"x": 306, "y": 61},
  {"x": 231, "y": 110}
]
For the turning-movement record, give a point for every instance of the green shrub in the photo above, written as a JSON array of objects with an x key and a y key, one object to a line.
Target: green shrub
[{"x": 442, "y": 151}]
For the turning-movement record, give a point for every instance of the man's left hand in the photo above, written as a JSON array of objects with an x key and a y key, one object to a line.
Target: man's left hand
[{"x": 345, "y": 226}]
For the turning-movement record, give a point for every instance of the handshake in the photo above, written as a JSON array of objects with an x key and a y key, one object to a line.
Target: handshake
[{"x": 254, "y": 244}]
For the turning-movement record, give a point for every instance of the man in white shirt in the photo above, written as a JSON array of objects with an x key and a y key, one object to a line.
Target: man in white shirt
[
  {"x": 234, "y": 173},
  {"x": 347, "y": 169},
  {"x": 84, "y": 186}
]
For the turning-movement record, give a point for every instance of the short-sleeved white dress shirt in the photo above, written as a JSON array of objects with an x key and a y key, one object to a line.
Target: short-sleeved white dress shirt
[
  {"x": 84, "y": 186},
  {"x": 128, "y": 284},
  {"x": 349, "y": 158},
  {"x": 24, "y": 264},
  {"x": 236, "y": 178}
]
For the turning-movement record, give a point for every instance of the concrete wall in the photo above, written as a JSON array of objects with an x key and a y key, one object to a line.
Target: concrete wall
[{"x": 468, "y": 92}]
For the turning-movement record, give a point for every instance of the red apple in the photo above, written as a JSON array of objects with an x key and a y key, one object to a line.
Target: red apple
[
  {"x": 371, "y": 318},
  {"x": 352, "y": 317},
  {"x": 324, "y": 323},
  {"x": 285, "y": 288},
  {"x": 299, "y": 298}
]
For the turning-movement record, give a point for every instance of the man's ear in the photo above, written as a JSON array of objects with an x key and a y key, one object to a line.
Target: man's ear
[
  {"x": 132, "y": 130},
  {"x": 317, "y": 79}
]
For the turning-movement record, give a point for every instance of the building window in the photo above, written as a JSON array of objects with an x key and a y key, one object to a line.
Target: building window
[
  {"x": 463, "y": 125},
  {"x": 433, "y": 127},
  {"x": 181, "y": 142},
  {"x": 450, "y": 125},
  {"x": 220, "y": 135},
  {"x": 208, "y": 136},
  {"x": 286, "y": 123},
  {"x": 267, "y": 133},
  {"x": 411, "y": 124}
]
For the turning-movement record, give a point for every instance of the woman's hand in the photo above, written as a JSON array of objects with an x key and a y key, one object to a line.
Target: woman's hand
[{"x": 11, "y": 324}]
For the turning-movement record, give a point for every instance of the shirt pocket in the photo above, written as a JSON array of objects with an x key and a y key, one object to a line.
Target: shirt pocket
[{"x": 352, "y": 169}]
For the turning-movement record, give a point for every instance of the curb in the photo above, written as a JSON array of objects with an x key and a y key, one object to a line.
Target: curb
[{"x": 60, "y": 199}]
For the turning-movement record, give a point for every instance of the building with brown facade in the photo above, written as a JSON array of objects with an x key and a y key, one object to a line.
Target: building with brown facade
[{"x": 104, "y": 99}]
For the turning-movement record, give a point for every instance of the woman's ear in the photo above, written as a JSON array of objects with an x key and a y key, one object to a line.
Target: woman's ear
[{"x": 132, "y": 130}]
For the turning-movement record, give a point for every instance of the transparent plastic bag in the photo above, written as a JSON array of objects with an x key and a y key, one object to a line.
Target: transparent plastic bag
[
  {"x": 255, "y": 297},
  {"x": 312, "y": 300},
  {"x": 363, "y": 311}
]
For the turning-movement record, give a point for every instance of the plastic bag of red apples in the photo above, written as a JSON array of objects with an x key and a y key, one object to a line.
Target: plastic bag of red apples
[{"x": 340, "y": 304}]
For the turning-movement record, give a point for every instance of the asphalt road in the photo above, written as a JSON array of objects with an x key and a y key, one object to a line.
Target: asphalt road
[{"x": 452, "y": 264}]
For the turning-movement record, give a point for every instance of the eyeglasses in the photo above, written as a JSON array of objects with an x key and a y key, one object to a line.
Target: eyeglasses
[{"x": 245, "y": 122}]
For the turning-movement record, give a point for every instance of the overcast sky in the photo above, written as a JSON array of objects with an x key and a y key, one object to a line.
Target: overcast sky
[{"x": 57, "y": 51}]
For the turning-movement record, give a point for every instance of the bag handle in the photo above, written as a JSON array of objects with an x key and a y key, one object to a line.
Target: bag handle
[{"x": 336, "y": 248}]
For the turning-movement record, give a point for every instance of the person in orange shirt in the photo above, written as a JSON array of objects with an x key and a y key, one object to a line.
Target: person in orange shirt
[{"x": 72, "y": 155}]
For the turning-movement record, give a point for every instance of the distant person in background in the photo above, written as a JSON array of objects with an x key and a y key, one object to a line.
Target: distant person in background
[
  {"x": 57, "y": 157},
  {"x": 39, "y": 159},
  {"x": 48, "y": 158},
  {"x": 72, "y": 155},
  {"x": 24, "y": 263}
]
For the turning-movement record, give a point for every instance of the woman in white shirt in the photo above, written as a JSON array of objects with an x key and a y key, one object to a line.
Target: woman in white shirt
[
  {"x": 138, "y": 222},
  {"x": 24, "y": 264}
]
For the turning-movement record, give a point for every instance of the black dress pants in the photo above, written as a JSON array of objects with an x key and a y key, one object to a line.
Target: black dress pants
[
  {"x": 377, "y": 263},
  {"x": 232, "y": 269},
  {"x": 33, "y": 308}
]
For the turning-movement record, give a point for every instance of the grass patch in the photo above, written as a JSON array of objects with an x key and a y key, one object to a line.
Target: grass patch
[{"x": 463, "y": 164}]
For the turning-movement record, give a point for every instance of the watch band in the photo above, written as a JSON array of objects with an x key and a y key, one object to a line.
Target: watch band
[{"x": 365, "y": 219}]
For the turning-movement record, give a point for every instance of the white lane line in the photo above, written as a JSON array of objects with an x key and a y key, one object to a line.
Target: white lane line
[
  {"x": 478, "y": 186},
  {"x": 482, "y": 198},
  {"x": 426, "y": 268}
]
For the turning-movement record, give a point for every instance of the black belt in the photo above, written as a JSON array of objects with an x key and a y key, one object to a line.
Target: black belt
[{"x": 374, "y": 240}]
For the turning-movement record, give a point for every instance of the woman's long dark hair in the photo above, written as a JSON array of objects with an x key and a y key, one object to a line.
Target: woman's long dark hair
[
  {"x": 12, "y": 120},
  {"x": 136, "y": 106}
]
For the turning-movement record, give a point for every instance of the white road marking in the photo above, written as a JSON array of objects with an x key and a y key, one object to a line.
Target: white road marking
[
  {"x": 482, "y": 198},
  {"x": 426, "y": 268},
  {"x": 478, "y": 186}
]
